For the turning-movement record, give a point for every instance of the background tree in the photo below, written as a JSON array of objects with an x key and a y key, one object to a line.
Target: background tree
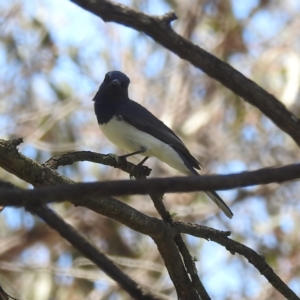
[{"x": 53, "y": 57}]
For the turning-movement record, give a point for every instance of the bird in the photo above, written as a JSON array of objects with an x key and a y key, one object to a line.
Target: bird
[{"x": 134, "y": 129}]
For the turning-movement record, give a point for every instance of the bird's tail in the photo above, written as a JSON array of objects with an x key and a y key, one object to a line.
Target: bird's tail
[
  {"x": 221, "y": 204},
  {"x": 211, "y": 194}
]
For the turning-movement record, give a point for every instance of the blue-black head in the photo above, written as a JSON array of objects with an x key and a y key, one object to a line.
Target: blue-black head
[{"x": 114, "y": 88}]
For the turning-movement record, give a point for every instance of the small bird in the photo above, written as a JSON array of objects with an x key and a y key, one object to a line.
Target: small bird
[{"x": 134, "y": 129}]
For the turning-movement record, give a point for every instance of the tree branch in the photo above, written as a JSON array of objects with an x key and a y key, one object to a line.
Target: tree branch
[
  {"x": 39, "y": 175},
  {"x": 166, "y": 237},
  {"x": 162, "y": 232},
  {"x": 191, "y": 267},
  {"x": 111, "y": 208},
  {"x": 79, "y": 191},
  {"x": 24, "y": 168},
  {"x": 89, "y": 251},
  {"x": 104, "y": 159},
  {"x": 194, "y": 281},
  {"x": 159, "y": 29},
  {"x": 254, "y": 258},
  {"x": 176, "y": 269},
  {"x": 187, "y": 259},
  {"x": 94, "y": 254}
]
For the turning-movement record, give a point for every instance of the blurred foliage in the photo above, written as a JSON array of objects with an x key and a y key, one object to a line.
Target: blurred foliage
[{"x": 53, "y": 56}]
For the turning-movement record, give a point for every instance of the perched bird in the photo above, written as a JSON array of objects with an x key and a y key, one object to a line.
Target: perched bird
[{"x": 134, "y": 129}]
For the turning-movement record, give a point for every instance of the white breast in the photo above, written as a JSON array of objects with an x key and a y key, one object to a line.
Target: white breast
[{"x": 128, "y": 138}]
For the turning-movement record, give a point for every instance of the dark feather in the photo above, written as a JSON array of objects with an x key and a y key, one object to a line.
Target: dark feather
[{"x": 139, "y": 117}]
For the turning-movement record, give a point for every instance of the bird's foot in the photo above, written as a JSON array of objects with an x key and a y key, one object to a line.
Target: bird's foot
[{"x": 140, "y": 172}]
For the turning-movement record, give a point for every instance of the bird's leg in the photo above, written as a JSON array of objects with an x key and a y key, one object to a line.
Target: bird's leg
[
  {"x": 131, "y": 154},
  {"x": 143, "y": 149},
  {"x": 140, "y": 170},
  {"x": 142, "y": 162}
]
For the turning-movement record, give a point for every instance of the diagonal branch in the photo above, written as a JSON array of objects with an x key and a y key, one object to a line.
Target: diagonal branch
[
  {"x": 176, "y": 269},
  {"x": 159, "y": 29},
  {"x": 189, "y": 264},
  {"x": 253, "y": 257},
  {"x": 94, "y": 254},
  {"x": 89, "y": 251}
]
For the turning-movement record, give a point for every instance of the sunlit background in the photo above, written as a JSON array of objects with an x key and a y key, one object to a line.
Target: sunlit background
[{"x": 54, "y": 55}]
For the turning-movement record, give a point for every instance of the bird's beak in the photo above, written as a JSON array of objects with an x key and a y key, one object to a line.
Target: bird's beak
[{"x": 115, "y": 82}]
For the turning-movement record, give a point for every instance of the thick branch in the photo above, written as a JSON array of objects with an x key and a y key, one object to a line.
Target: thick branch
[
  {"x": 160, "y": 30},
  {"x": 168, "y": 250},
  {"x": 78, "y": 192},
  {"x": 185, "y": 254},
  {"x": 193, "y": 284},
  {"x": 25, "y": 168},
  {"x": 191, "y": 267}
]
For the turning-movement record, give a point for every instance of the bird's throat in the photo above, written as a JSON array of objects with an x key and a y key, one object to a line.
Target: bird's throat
[{"x": 104, "y": 112}]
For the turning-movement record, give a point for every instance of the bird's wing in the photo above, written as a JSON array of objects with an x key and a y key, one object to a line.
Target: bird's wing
[{"x": 139, "y": 117}]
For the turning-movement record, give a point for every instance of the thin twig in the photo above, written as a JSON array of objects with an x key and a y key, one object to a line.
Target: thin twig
[
  {"x": 233, "y": 247},
  {"x": 104, "y": 159}
]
